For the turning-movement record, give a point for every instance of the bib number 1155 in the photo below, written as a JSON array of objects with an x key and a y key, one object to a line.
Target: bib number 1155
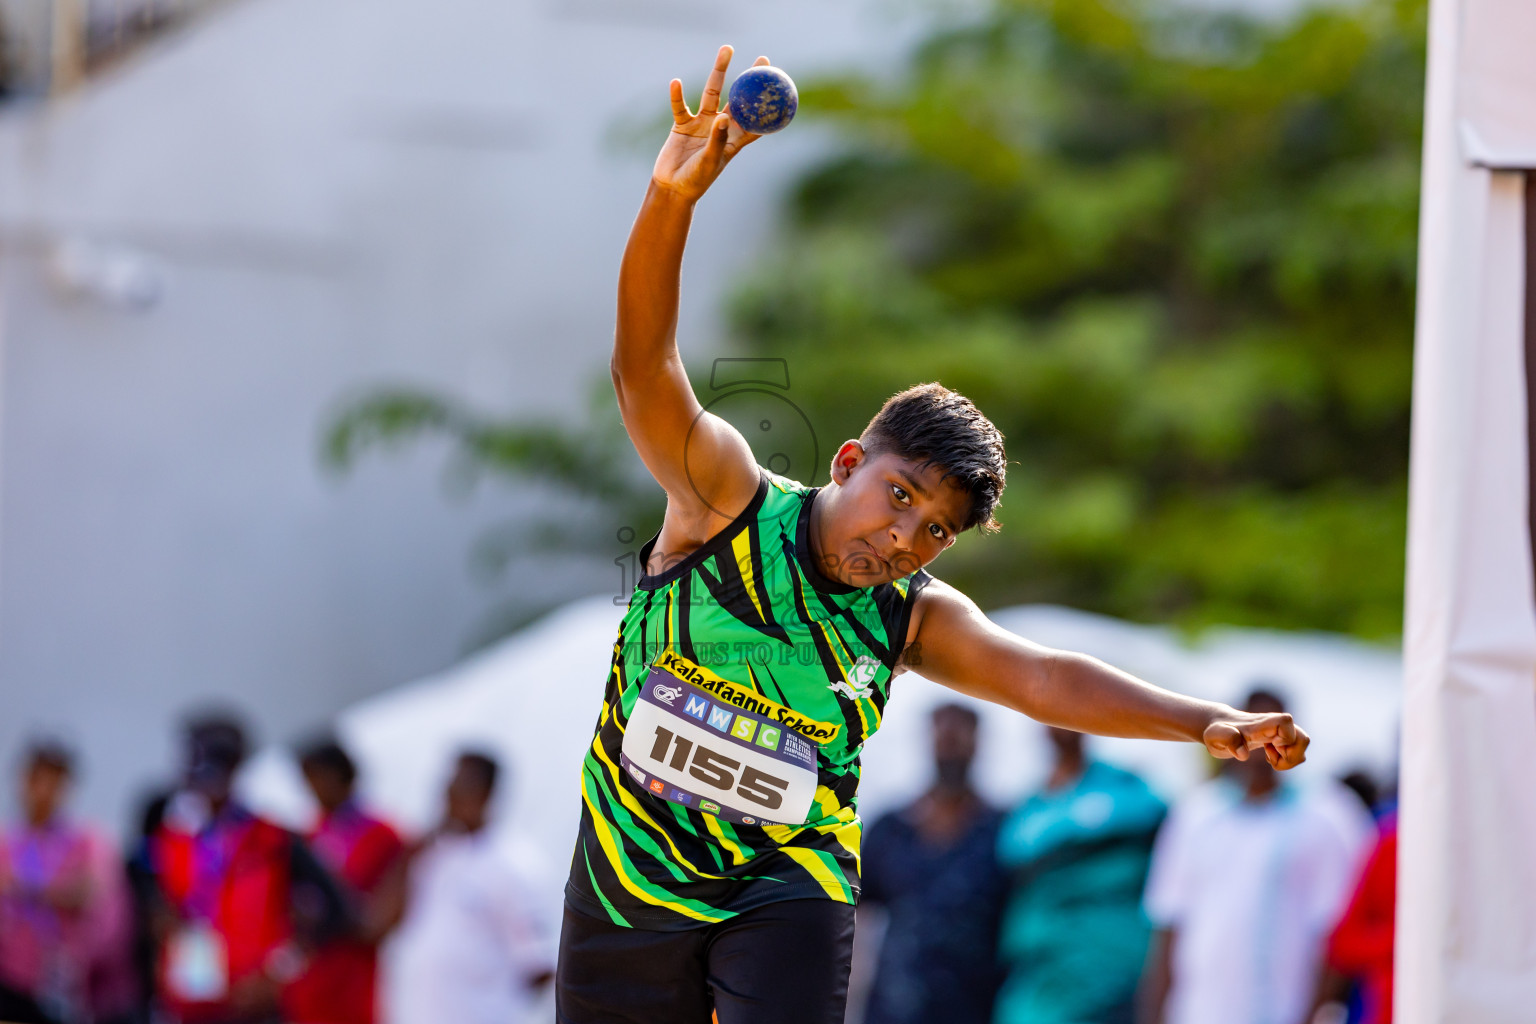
[{"x": 718, "y": 770}]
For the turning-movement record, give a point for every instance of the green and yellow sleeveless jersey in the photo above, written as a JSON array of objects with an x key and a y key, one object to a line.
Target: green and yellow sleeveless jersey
[{"x": 724, "y": 768}]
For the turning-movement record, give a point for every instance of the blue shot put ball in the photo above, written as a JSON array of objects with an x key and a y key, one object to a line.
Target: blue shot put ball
[{"x": 763, "y": 100}]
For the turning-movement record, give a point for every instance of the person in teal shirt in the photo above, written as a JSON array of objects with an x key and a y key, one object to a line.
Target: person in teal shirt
[{"x": 1074, "y": 936}]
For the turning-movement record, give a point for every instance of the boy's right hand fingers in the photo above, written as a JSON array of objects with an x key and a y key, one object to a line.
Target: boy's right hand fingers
[
  {"x": 680, "y": 112},
  {"x": 710, "y": 102},
  {"x": 719, "y": 132}
]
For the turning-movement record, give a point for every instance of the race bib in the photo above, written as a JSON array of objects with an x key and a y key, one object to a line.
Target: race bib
[
  {"x": 720, "y": 749},
  {"x": 197, "y": 965}
]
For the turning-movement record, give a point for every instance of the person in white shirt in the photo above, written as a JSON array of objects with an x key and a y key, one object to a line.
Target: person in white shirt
[
  {"x": 1248, "y": 875},
  {"x": 472, "y": 948}
]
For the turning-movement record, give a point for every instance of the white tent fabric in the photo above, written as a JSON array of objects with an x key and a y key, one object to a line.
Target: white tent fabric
[
  {"x": 533, "y": 700},
  {"x": 1466, "y": 951},
  {"x": 1496, "y": 79}
]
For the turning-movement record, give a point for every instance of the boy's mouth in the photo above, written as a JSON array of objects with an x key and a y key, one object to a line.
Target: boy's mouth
[{"x": 876, "y": 555}]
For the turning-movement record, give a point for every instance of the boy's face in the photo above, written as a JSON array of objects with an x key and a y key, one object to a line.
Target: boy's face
[{"x": 885, "y": 518}]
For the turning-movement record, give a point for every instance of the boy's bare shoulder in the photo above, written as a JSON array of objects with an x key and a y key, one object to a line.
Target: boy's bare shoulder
[{"x": 937, "y": 603}]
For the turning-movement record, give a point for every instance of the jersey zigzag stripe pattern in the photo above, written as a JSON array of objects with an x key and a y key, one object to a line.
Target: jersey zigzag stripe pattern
[{"x": 751, "y": 608}]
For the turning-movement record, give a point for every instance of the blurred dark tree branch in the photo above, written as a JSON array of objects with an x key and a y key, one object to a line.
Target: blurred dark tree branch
[
  {"x": 594, "y": 465},
  {"x": 593, "y": 462}
]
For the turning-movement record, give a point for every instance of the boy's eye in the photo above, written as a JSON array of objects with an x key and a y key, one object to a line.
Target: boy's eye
[
  {"x": 901, "y": 495},
  {"x": 936, "y": 530}
]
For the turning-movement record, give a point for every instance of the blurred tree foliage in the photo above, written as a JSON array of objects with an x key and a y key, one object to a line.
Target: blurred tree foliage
[
  {"x": 1170, "y": 253},
  {"x": 596, "y": 463},
  {"x": 1172, "y": 256}
]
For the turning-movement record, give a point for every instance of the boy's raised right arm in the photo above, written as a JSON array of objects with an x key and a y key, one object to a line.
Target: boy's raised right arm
[{"x": 701, "y": 461}]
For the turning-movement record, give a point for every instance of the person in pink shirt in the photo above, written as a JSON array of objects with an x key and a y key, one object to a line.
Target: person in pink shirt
[
  {"x": 368, "y": 858},
  {"x": 65, "y": 918}
]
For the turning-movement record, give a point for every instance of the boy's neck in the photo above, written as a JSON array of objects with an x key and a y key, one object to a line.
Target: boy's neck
[{"x": 813, "y": 534}]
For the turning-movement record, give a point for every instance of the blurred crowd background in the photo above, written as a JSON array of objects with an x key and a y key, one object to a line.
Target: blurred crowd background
[
  {"x": 1090, "y": 900},
  {"x": 309, "y": 472}
]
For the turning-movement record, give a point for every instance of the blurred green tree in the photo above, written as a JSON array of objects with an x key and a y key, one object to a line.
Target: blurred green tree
[{"x": 1171, "y": 253}]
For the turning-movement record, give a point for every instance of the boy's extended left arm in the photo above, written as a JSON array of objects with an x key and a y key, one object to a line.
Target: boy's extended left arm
[{"x": 958, "y": 646}]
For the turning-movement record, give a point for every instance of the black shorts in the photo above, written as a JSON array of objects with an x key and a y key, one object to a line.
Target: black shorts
[{"x": 786, "y": 961}]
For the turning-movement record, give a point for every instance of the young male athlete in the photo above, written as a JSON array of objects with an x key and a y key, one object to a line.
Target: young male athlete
[{"x": 717, "y": 863}]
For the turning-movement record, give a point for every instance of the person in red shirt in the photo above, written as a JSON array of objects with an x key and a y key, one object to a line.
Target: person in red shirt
[
  {"x": 239, "y": 899},
  {"x": 1361, "y": 944},
  {"x": 368, "y": 858}
]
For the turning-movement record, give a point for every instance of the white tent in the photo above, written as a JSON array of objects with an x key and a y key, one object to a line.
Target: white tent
[
  {"x": 533, "y": 700},
  {"x": 1466, "y": 951}
]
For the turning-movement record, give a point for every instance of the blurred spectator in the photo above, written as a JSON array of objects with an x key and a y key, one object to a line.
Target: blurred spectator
[
  {"x": 7, "y": 61},
  {"x": 238, "y": 899},
  {"x": 932, "y": 866},
  {"x": 1362, "y": 943},
  {"x": 1074, "y": 937},
  {"x": 1363, "y": 785},
  {"x": 1343, "y": 990},
  {"x": 146, "y": 902},
  {"x": 65, "y": 918},
  {"x": 1249, "y": 875},
  {"x": 368, "y": 858},
  {"x": 472, "y": 949}
]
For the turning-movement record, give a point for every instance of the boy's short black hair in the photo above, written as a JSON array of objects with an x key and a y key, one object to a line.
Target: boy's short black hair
[{"x": 933, "y": 426}]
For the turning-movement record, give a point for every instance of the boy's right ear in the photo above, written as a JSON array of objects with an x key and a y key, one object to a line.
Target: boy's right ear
[{"x": 847, "y": 458}]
